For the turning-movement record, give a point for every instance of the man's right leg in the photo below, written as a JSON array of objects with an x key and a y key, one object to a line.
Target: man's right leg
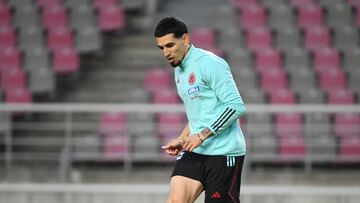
[{"x": 184, "y": 190}]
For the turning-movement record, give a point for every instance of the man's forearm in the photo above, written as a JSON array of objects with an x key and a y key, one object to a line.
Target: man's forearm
[{"x": 184, "y": 133}]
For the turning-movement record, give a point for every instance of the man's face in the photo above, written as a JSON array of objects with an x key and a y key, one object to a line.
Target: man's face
[{"x": 174, "y": 49}]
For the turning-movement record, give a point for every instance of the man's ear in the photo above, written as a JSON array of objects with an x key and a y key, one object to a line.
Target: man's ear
[{"x": 186, "y": 39}]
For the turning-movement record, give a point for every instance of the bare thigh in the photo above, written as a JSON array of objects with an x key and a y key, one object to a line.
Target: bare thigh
[{"x": 184, "y": 190}]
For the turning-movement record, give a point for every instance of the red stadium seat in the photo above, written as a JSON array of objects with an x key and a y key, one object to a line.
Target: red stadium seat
[
  {"x": 332, "y": 79},
  {"x": 19, "y": 95},
  {"x": 326, "y": 58},
  {"x": 252, "y": 17},
  {"x": 13, "y": 79},
  {"x": 309, "y": 16},
  {"x": 317, "y": 38},
  {"x": 273, "y": 79},
  {"x": 243, "y": 4},
  {"x": 5, "y": 16},
  {"x": 288, "y": 124},
  {"x": 347, "y": 124},
  {"x": 301, "y": 3},
  {"x": 267, "y": 59},
  {"x": 7, "y": 36},
  {"x": 340, "y": 96},
  {"x": 282, "y": 96},
  {"x": 291, "y": 149},
  {"x": 170, "y": 124},
  {"x": 165, "y": 96},
  {"x": 203, "y": 37},
  {"x": 103, "y": 3},
  {"x": 60, "y": 38},
  {"x": 115, "y": 148},
  {"x": 10, "y": 58},
  {"x": 66, "y": 61},
  {"x": 48, "y": 3},
  {"x": 349, "y": 149},
  {"x": 111, "y": 18},
  {"x": 54, "y": 16},
  {"x": 258, "y": 39},
  {"x": 157, "y": 79},
  {"x": 112, "y": 123}
]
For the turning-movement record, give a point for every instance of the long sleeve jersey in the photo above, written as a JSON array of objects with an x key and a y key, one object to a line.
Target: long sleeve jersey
[{"x": 206, "y": 86}]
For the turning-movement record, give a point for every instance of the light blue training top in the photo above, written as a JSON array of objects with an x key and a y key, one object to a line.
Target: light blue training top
[{"x": 206, "y": 86}]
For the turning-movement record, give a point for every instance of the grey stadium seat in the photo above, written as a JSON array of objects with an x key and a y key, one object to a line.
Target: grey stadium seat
[
  {"x": 26, "y": 16},
  {"x": 346, "y": 37},
  {"x": 42, "y": 81},
  {"x": 30, "y": 38},
  {"x": 88, "y": 40},
  {"x": 36, "y": 58},
  {"x": 311, "y": 96},
  {"x": 287, "y": 38}
]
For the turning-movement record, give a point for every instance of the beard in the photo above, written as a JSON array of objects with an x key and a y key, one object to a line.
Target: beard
[{"x": 175, "y": 63}]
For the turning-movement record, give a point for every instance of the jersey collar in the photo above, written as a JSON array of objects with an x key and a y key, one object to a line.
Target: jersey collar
[{"x": 185, "y": 62}]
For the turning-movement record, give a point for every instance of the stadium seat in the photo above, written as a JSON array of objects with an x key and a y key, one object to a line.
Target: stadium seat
[
  {"x": 170, "y": 124},
  {"x": 280, "y": 17},
  {"x": 77, "y": 3},
  {"x": 263, "y": 148},
  {"x": 225, "y": 17},
  {"x": 203, "y": 37},
  {"x": 19, "y": 95},
  {"x": 48, "y": 3},
  {"x": 157, "y": 79},
  {"x": 245, "y": 78},
  {"x": 5, "y": 15},
  {"x": 140, "y": 124},
  {"x": 7, "y": 36},
  {"x": 66, "y": 61},
  {"x": 347, "y": 124},
  {"x": 258, "y": 39},
  {"x": 317, "y": 38},
  {"x": 287, "y": 38},
  {"x": 351, "y": 59},
  {"x": 346, "y": 37},
  {"x": 301, "y": 3},
  {"x": 253, "y": 95},
  {"x": 311, "y": 96},
  {"x": 332, "y": 79},
  {"x": 309, "y": 16},
  {"x": 243, "y": 4},
  {"x": 230, "y": 39},
  {"x": 54, "y": 17},
  {"x": 115, "y": 148},
  {"x": 252, "y": 17},
  {"x": 42, "y": 81},
  {"x": 16, "y": 4},
  {"x": 10, "y": 57},
  {"x": 291, "y": 149},
  {"x": 30, "y": 38},
  {"x": 13, "y": 79},
  {"x": 321, "y": 147},
  {"x": 110, "y": 18},
  {"x": 259, "y": 124},
  {"x": 240, "y": 58},
  {"x": 288, "y": 124},
  {"x": 354, "y": 81},
  {"x": 165, "y": 96},
  {"x": 88, "y": 40},
  {"x": 103, "y": 3},
  {"x": 282, "y": 96},
  {"x": 338, "y": 15},
  {"x": 349, "y": 149},
  {"x": 112, "y": 124},
  {"x": 59, "y": 38},
  {"x": 26, "y": 16},
  {"x": 297, "y": 57},
  {"x": 317, "y": 123},
  {"x": 82, "y": 17},
  {"x": 302, "y": 79},
  {"x": 273, "y": 79},
  {"x": 268, "y": 58},
  {"x": 340, "y": 96},
  {"x": 326, "y": 58},
  {"x": 35, "y": 58}
]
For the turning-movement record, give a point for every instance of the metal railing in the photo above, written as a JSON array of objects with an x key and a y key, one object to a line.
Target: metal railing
[
  {"x": 65, "y": 128},
  {"x": 150, "y": 193}
]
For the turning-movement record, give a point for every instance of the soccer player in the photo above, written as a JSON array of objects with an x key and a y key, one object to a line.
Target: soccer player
[{"x": 210, "y": 150}]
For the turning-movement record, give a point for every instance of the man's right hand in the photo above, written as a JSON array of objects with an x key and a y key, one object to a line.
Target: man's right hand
[{"x": 173, "y": 147}]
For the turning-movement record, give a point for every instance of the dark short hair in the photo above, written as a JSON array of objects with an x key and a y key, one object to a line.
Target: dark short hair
[{"x": 170, "y": 25}]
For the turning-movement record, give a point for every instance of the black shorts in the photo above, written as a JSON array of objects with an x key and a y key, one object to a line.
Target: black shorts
[{"x": 219, "y": 175}]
